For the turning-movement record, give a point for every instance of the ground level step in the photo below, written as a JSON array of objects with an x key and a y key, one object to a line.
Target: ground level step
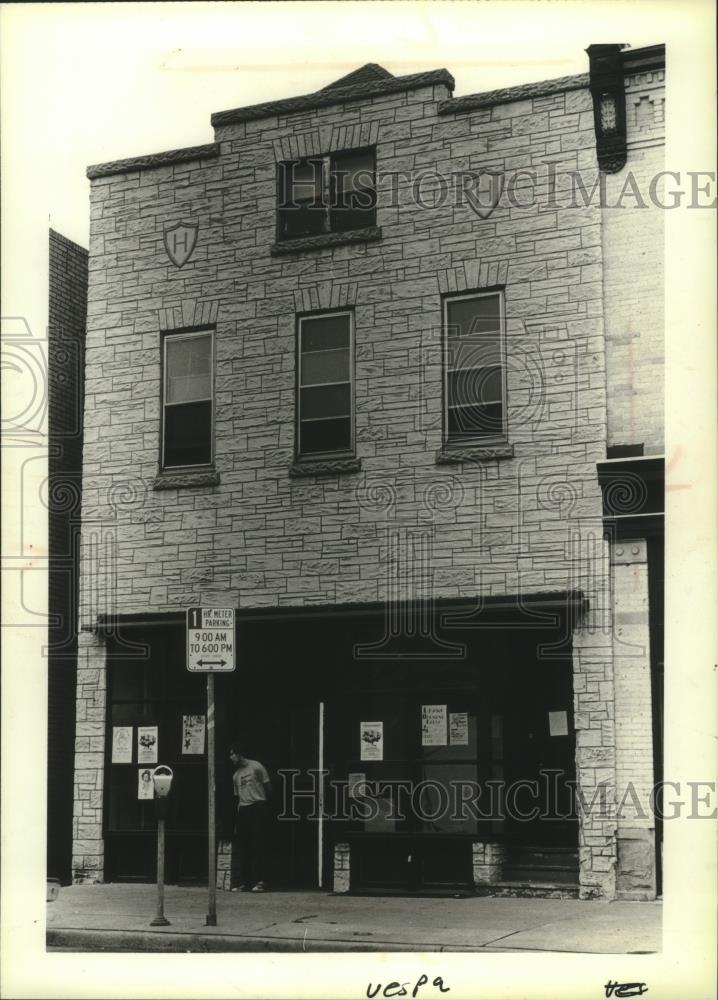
[
  {"x": 536, "y": 873},
  {"x": 528, "y": 889}
]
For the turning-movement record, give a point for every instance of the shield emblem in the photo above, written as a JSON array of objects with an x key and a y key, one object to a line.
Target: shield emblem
[
  {"x": 180, "y": 241},
  {"x": 483, "y": 189}
]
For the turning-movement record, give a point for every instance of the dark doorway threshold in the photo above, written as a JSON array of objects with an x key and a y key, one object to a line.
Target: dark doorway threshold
[{"x": 458, "y": 893}]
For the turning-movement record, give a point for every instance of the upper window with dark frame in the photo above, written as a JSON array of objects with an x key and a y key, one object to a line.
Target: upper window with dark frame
[
  {"x": 475, "y": 369},
  {"x": 327, "y": 194},
  {"x": 324, "y": 392},
  {"x": 187, "y": 399}
]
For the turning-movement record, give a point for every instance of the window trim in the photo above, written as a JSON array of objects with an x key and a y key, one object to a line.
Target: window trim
[
  {"x": 186, "y": 333},
  {"x": 476, "y": 440},
  {"x": 324, "y": 456},
  {"x": 327, "y": 193}
]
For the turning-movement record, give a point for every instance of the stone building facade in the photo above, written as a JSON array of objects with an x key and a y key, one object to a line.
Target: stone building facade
[{"x": 481, "y": 569}]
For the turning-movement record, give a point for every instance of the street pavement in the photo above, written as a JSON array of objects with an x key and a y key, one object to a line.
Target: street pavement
[{"x": 116, "y": 917}]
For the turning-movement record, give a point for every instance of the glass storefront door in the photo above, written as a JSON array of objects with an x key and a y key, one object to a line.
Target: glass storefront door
[{"x": 411, "y": 764}]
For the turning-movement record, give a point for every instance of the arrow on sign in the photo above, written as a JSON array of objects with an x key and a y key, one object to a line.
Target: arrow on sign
[{"x": 211, "y": 663}]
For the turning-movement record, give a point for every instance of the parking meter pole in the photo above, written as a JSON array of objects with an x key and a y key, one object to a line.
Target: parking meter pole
[
  {"x": 211, "y": 920},
  {"x": 160, "y": 920}
]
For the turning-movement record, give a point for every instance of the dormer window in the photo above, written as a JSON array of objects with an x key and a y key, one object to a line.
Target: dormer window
[{"x": 327, "y": 194}]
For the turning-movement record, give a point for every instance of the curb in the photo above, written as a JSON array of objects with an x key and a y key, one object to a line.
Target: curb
[
  {"x": 76, "y": 939},
  {"x": 159, "y": 941}
]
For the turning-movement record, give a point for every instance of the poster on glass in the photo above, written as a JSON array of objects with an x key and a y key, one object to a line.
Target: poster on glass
[
  {"x": 458, "y": 729},
  {"x": 147, "y": 744},
  {"x": 122, "y": 744},
  {"x": 193, "y": 728},
  {"x": 371, "y": 738},
  {"x": 145, "y": 786},
  {"x": 433, "y": 725}
]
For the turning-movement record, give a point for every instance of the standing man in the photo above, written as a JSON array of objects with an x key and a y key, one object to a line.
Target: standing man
[{"x": 252, "y": 789}]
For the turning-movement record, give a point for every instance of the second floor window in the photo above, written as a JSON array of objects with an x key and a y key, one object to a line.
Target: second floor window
[
  {"x": 187, "y": 400},
  {"x": 326, "y": 194},
  {"x": 324, "y": 403},
  {"x": 475, "y": 386}
]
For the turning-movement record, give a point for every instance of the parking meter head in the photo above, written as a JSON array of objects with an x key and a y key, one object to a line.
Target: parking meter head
[{"x": 162, "y": 780}]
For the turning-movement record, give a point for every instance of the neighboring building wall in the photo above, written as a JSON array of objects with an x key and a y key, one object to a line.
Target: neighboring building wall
[
  {"x": 496, "y": 523},
  {"x": 633, "y": 238},
  {"x": 636, "y": 876},
  {"x": 66, "y": 340},
  {"x": 633, "y": 235}
]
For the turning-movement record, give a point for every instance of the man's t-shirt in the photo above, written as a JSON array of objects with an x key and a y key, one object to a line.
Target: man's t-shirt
[{"x": 249, "y": 781}]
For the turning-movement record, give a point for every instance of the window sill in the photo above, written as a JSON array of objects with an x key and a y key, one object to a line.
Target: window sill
[
  {"x": 324, "y": 467},
  {"x": 319, "y": 241},
  {"x": 173, "y": 480},
  {"x": 453, "y": 455}
]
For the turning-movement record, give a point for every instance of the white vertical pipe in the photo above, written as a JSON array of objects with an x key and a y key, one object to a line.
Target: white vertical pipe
[{"x": 320, "y": 828}]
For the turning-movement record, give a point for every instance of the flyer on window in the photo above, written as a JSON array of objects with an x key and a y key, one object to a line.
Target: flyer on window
[
  {"x": 458, "y": 729},
  {"x": 558, "y": 723},
  {"x": 433, "y": 725},
  {"x": 356, "y": 784},
  {"x": 122, "y": 744},
  {"x": 145, "y": 785},
  {"x": 147, "y": 744},
  {"x": 193, "y": 728},
  {"x": 372, "y": 740}
]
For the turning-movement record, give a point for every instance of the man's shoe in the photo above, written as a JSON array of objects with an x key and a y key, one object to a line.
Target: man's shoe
[
  {"x": 241, "y": 888},
  {"x": 259, "y": 887}
]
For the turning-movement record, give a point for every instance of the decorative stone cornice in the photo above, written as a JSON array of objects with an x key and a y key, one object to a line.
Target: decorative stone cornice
[
  {"x": 645, "y": 58},
  {"x": 322, "y": 240},
  {"x": 506, "y": 95},
  {"x": 152, "y": 160},
  {"x": 454, "y": 456},
  {"x": 176, "y": 480},
  {"x": 325, "y": 467},
  {"x": 326, "y": 98}
]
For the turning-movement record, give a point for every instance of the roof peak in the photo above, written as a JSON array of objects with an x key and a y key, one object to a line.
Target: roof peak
[{"x": 369, "y": 73}]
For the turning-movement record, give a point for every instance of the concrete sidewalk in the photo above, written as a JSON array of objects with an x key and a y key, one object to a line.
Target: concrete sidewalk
[{"x": 116, "y": 917}]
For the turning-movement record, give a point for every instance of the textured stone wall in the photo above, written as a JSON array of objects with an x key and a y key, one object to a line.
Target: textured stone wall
[
  {"x": 487, "y": 862},
  {"x": 342, "y": 867},
  {"x": 634, "y": 732},
  {"x": 261, "y": 537},
  {"x": 226, "y": 864},
  {"x": 525, "y": 519},
  {"x": 88, "y": 845},
  {"x": 633, "y": 234}
]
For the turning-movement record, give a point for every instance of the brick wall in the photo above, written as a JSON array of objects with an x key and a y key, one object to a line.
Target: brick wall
[
  {"x": 633, "y": 236},
  {"x": 66, "y": 336}
]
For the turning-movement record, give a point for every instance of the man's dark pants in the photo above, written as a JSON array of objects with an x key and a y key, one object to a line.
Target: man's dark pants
[{"x": 251, "y": 841}]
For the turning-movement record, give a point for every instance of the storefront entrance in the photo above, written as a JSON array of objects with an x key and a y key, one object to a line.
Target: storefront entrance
[{"x": 413, "y": 746}]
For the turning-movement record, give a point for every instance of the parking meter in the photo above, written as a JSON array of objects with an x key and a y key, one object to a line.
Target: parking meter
[{"x": 162, "y": 780}]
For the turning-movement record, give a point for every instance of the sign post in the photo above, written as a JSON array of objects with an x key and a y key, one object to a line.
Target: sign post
[
  {"x": 210, "y": 650},
  {"x": 211, "y": 920}
]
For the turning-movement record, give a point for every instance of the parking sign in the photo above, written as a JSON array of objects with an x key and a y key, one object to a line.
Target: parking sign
[{"x": 210, "y": 640}]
